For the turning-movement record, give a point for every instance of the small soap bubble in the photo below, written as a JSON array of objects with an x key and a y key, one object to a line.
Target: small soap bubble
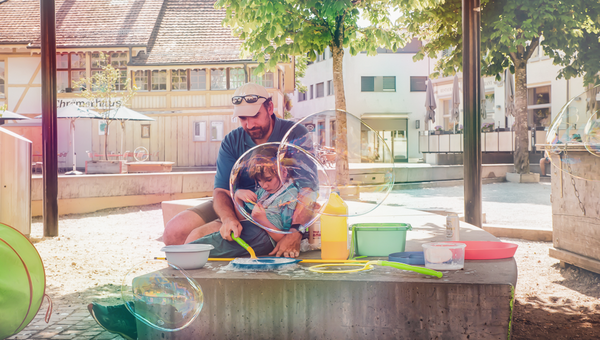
[{"x": 161, "y": 295}]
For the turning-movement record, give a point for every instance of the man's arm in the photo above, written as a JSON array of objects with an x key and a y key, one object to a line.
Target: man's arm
[{"x": 223, "y": 206}]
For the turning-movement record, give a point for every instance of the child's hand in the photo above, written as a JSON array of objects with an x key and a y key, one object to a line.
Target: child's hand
[
  {"x": 246, "y": 196},
  {"x": 258, "y": 213}
]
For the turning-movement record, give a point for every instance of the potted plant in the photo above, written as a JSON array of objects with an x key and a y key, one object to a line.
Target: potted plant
[
  {"x": 438, "y": 129},
  {"x": 487, "y": 127}
]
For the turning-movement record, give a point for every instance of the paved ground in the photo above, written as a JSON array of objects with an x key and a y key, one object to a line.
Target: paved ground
[
  {"x": 517, "y": 205},
  {"x": 524, "y": 205}
]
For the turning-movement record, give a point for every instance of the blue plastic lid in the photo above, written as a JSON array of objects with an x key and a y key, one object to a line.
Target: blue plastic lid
[{"x": 408, "y": 257}]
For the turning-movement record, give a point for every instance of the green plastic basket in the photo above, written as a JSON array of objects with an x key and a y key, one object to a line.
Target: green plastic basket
[{"x": 378, "y": 239}]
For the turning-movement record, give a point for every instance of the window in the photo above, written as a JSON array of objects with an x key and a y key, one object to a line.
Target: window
[
  {"x": 265, "y": 80},
  {"x": 216, "y": 131},
  {"x": 70, "y": 67},
  {"x": 321, "y": 57},
  {"x": 301, "y": 96},
  {"x": 418, "y": 84},
  {"x": 538, "y": 106},
  {"x": 413, "y": 46},
  {"x": 200, "y": 131},
  {"x": 145, "y": 130},
  {"x": 159, "y": 80},
  {"x": 311, "y": 92},
  {"x": 330, "y": 87},
  {"x": 237, "y": 78},
  {"x": 116, "y": 60},
  {"x": 198, "y": 80},
  {"x": 119, "y": 62},
  {"x": 320, "y": 90},
  {"x": 389, "y": 84},
  {"x": 218, "y": 79},
  {"x": 367, "y": 84},
  {"x": 140, "y": 79},
  {"x": 2, "y": 81},
  {"x": 178, "y": 79}
]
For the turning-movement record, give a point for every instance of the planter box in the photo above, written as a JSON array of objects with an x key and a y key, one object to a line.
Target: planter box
[
  {"x": 105, "y": 167},
  {"x": 576, "y": 234},
  {"x": 149, "y": 167}
]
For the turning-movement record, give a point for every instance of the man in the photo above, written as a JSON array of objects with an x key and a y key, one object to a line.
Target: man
[
  {"x": 214, "y": 221},
  {"x": 254, "y": 108}
]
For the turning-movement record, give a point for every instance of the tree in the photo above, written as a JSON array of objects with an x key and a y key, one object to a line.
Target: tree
[
  {"x": 274, "y": 30},
  {"x": 107, "y": 91},
  {"x": 510, "y": 32}
]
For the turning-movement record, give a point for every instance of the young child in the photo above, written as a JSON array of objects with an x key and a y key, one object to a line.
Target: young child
[{"x": 273, "y": 204}]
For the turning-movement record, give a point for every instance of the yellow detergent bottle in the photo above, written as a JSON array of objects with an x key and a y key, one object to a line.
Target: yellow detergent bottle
[{"x": 334, "y": 229}]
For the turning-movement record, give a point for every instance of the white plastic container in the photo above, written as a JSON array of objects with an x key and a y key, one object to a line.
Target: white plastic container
[
  {"x": 444, "y": 255},
  {"x": 188, "y": 256}
]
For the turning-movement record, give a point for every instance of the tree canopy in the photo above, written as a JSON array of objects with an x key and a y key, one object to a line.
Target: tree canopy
[{"x": 567, "y": 31}]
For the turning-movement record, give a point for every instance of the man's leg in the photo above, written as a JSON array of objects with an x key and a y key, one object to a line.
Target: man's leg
[{"x": 179, "y": 227}]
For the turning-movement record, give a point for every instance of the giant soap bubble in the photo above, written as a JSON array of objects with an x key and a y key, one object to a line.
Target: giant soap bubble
[
  {"x": 574, "y": 135},
  {"x": 161, "y": 295},
  {"x": 358, "y": 159},
  {"x": 273, "y": 189}
]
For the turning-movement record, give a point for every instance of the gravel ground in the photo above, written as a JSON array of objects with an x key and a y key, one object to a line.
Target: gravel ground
[{"x": 94, "y": 252}]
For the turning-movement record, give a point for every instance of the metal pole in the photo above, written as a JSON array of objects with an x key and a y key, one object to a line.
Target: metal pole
[
  {"x": 472, "y": 121},
  {"x": 49, "y": 124}
]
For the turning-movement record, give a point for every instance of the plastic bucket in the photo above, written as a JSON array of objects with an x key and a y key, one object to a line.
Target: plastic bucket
[
  {"x": 379, "y": 239},
  {"x": 444, "y": 255}
]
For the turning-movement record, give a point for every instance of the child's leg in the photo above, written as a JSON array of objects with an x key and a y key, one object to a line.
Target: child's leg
[{"x": 204, "y": 230}]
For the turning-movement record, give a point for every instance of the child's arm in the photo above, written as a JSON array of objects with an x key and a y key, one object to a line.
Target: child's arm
[
  {"x": 241, "y": 196},
  {"x": 260, "y": 216}
]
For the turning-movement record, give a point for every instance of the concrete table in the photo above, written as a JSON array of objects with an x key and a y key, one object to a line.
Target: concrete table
[{"x": 384, "y": 303}]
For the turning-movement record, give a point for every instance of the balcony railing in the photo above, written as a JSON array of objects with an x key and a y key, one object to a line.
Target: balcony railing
[{"x": 495, "y": 141}]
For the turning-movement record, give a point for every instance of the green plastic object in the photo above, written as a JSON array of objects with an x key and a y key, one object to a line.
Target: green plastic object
[
  {"x": 405, "y": 266},
  {"x": 22, "y": 281},
  {"x": 378, "y": 239}
]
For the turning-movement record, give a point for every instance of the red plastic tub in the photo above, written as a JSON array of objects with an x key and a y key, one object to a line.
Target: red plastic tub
[{"x": 488, "y": 250}]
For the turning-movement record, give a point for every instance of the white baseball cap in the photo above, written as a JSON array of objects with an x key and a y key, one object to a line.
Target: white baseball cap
[{"x": 244, "y": 108}]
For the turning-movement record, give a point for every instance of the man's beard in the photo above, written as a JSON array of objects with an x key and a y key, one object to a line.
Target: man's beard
[{"x": 258, "y": 132}]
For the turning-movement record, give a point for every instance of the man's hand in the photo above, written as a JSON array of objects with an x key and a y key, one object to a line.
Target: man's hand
[
  {"x": 228, "y": 226},
  {"x": 289, "y": 245}
]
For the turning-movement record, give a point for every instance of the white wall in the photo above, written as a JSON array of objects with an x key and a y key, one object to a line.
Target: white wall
[{"x": 401, "y": 103}]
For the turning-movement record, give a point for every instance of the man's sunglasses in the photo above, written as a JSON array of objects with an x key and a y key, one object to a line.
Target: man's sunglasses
[{"x": 251, "y": 98}]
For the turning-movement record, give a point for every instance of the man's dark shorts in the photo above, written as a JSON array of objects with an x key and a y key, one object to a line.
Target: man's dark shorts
[
  {"x": 206, "y": 211},
  {"x": 256, "y": 237}
]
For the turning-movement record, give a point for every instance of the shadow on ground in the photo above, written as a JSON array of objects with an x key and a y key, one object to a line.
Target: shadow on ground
[
  {"x": 580, "y": 280},
  {"x": 537, "y": 319}
]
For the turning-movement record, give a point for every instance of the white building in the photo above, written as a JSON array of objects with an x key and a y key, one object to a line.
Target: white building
[
  {"x": 395, "y": 104},
  {"x": 386, "y": 91}
]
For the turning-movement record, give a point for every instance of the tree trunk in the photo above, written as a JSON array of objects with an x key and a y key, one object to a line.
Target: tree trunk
[
  {"x": 342, "y": 176},
  {"x": 106, "y": 140},
  {"x": 521, "y": 155}
]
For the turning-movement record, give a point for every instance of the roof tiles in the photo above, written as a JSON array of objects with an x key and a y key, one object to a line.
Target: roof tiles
[{"x": 175, "y": 31}]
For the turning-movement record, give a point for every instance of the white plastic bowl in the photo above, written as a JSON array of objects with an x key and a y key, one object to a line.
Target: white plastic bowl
[
  {"x": 188, "y": 256},
  {"x": 444, "y": 255}
]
